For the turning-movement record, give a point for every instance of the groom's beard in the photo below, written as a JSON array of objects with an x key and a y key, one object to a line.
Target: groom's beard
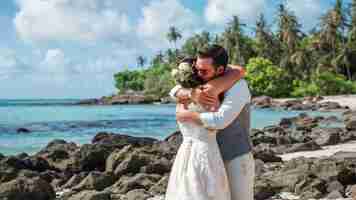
[{"x": 216, "y": 75}]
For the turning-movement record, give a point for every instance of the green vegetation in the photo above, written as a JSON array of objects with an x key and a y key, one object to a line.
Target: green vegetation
[{"x": 280, "y": 63}]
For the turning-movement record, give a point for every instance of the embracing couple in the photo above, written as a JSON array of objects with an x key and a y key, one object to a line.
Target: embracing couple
[{"x": 214, "y": 161}]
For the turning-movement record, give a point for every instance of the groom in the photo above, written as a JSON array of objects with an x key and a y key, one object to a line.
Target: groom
[{"x": 232, "y": 118}]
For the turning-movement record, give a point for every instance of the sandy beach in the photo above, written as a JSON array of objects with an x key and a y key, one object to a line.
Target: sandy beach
[{"x": 343, "y": 100}]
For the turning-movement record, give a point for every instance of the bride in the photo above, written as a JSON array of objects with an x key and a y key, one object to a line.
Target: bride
[{"x": 198, "y": 172}]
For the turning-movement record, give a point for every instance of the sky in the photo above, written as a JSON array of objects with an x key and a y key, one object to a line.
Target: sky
[{"x": 72, "y": 48}]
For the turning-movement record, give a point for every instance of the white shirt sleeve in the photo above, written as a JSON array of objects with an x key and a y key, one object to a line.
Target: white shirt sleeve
[
  {"x": 235, "y": 100},
  {"x": 173, "y": 91}
]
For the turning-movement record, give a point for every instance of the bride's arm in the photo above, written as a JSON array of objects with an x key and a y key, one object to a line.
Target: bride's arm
[
  {"x": 236, "y": 99},
  {"x": 209, "y": 93}
]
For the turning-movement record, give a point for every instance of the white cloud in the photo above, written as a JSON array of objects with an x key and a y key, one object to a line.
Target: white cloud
[
  {"x": 219, "y": 12},
  {"x": 54, "y": 62},
  {"x": 79, "y": 20},
  {"x": 307, "y": 11},
  {"x": 159, "y": 15},
  {"x": 11, "y": 65}
]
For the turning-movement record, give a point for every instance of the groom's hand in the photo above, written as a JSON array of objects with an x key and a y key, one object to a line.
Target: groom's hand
[
  {"x": 204, "y": 97},
  {"x": 184, "y": 115}
]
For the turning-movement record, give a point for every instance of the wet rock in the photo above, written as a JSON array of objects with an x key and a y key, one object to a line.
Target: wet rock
[
  {"x": 23, "y": 130},
  {"x": 262, "y": 101},
  {"x": 25, "y": 188}
]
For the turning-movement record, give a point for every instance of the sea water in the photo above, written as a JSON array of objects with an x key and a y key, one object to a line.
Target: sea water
[{"x": 62, "y": 119}]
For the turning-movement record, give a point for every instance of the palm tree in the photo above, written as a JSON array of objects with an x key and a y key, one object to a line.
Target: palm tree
[
  {"x": 141, "y": 61},
  {"x": 174, "y": 35},
  {"x": 289, "y": 30},
  {"x": 233, "y": 41}
]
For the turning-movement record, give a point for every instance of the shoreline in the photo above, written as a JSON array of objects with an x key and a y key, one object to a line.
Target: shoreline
[{"x": 343, "y": 100}]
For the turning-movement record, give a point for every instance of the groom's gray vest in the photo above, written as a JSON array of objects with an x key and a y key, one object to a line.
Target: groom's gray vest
[{"x": 234, "y": 140}]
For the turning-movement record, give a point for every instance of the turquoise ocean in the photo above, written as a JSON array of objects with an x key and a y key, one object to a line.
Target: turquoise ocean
[{"x": 49, "y": 119}]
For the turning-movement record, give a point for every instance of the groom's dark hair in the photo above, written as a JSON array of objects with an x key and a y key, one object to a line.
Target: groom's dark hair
[{"x": 217, "y": 53}]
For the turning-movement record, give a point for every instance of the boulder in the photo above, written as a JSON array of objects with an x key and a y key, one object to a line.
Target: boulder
[
  {"x": 138, "y": 194},
  {"x": 262, "y": 101},
  {"x": 351, "y": 124},
  {"x": 23, "y": 130},
  {"x": 91, "y": 195},
  {"x": 95, "y": 181},
  {"x": 25, "y": 188},
  {"x": 58, "y": 154},
  {"x": 326, "y": 136},
  {"x": 138, "y": 181}
]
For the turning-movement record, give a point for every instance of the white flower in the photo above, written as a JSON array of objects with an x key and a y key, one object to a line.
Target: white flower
[
  {"x": 184, "y": 66},
  {"x": 174, "y": 72}
]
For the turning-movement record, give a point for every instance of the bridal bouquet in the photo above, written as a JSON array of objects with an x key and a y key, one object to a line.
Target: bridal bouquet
[{"x": 187, "y": 76}]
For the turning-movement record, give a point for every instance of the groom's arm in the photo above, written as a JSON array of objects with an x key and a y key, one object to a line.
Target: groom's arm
[
  {"x": 212, "y": 89},
  {"x": 235, "y": 100}
]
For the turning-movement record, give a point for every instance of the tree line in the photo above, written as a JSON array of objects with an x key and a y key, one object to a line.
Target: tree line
[{"x": 282, "y": 62}]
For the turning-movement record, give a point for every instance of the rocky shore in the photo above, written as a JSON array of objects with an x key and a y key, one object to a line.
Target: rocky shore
[
  {"x": 121, "y": 167},
  {"x": 127, "y": 98}
]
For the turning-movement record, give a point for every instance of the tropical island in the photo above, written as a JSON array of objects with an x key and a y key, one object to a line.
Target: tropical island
[
  {"x": 280, "y": 59},
  {"x": 299, "y": 157}
]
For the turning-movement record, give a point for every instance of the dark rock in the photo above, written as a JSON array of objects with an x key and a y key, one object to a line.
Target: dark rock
[
  {"x": 116, "y": 157},
  {"x": 139, "y": 181},
  {"x": 159, "y": 166},
  {"x": 74, "y": 180},
  {"x": 262, "y": 101},
  {"x": 91, "y": 195},
  {"x": 132, "y": 164},
  {"x": 22, "y": 156},
  {"x": 36, "y": 164},
  {"x": 96, "y": 181},
  {"x": 266, "y": 155},
  {"x": 264, "y": 189},
  {"x": 308, "y": 146},
  {"x": 330, "y": 105},
  {"x": 138, "y": 194},
  {"x": 160, "y": 187},
  {"x": 326, "y": 136},
  {"x": 25, "y": 188},
  {"x": 310, "y": 186},
  {"x": 10, "y": 167},
  {"x": 58, "y": 153},
  {"x": 351, "y": 124},
  {"x": 92, "y": 157},
  {"x": 23, "y": 130}
]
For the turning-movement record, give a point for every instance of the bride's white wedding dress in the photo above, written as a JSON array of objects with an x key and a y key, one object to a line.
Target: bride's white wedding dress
[{"x": 198, "y": 172}]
